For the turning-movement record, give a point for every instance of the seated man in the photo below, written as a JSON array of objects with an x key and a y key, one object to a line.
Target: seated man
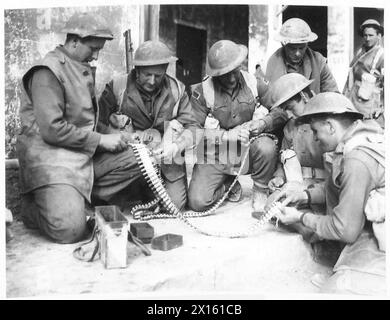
[
  {"x": 224, "y": 105},
  {"x": 354, "y": 194},
  {"x": 147, "y": 99},
  {"x": 301, "y": 164}
]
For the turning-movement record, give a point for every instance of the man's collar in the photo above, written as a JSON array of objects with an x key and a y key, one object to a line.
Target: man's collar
[
  {"x": 70, "y": 56},
  {"x": 293, "y": 65},
  {"x": 346, "y": 136}
]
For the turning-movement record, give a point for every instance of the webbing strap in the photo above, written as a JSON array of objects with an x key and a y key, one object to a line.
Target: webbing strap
[
  {"x": 78, "y": 252},
  {"x": 376, "y": 59},
  {"x": 177, "y": 92}
]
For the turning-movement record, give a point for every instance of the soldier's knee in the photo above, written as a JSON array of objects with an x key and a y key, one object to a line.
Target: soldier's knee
[
  {"x": 264, "y": 147},
  {"x": 196, "y": 201},
  {"x": 180, "y": 201},
  {"x": 70, "y": 228},
  {"x": 177, "y": 191},
  {"x": 65, "y": 224},
  {"x": 71, "y": 234}
]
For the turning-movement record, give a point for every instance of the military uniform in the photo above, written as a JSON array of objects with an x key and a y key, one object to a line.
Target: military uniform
[
  {"x": 372, "y": 62},
  {"x": 216, "y": 161},
  {"x": 145, "y": 111},
  {"x": 56, "y": 144},
  {"x": 357, "y": 168},
  {"x": 313, "y": 66},
  {"x": 301, "y": 156}
]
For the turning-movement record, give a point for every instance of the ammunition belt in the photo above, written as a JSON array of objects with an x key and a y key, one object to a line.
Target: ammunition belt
[{"x": 155, "y": 182}]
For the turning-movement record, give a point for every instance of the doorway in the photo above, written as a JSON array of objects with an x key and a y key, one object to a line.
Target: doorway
[
  {"x": 191, "y": 51},
  {"x": 317, "y": 18}
]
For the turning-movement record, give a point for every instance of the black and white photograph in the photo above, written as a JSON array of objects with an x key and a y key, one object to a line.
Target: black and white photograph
[{"x": 203, "y": 150}]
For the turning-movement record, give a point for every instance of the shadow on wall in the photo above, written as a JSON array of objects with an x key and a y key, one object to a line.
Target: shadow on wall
[{"x": 30, "y": 33}]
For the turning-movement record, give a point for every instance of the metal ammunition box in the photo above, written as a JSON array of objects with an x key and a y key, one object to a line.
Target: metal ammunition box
[
  {"x": 167, "y": 242},
  {"x": 143, "y": 231},
  {"x": 113, "y": 227}
]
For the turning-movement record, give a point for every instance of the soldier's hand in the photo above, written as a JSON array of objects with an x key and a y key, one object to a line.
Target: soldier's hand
[
  {"x": 166, "y": 153},
  {"x": 243, "y": 136},
  {"x": 112, "y": 142},
  {"x": 286, "y": 215},
  {"x": 275, "y": 183},
  {"x": 293, "y": 192},
  {"x": 256, "y": 127},
  {"x": 132, "y": 137},
  {"x": 117, "y": 120},
  {"x": 238, "y": 134}
]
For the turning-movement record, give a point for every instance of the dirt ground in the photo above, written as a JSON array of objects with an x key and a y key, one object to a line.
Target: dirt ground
[{"x": 271, "y": 261}]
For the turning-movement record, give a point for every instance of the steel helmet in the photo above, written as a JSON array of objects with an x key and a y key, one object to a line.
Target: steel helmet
[
  {"x": 87, "y": 25},
  {"x": 151, "y": 53},
  {"x": 295, "y": 30},
  {"x": 370, "y": 23},
  {"x": 286, "y": 87},
  {"x": 330, "y": 103},
  {"x": 225, "y": 56}
]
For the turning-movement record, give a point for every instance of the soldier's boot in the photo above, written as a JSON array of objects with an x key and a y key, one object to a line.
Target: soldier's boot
[{"x": 235, "y": 193}]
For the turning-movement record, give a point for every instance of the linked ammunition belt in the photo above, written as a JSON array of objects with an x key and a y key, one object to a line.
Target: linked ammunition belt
[{"x": 152, "y": 177}]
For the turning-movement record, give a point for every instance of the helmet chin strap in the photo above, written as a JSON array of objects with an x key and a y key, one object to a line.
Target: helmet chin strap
[{"x": 304, "y": 97}]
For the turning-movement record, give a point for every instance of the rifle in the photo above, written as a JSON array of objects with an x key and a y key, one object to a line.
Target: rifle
[
  {"x": 128, "y": 49},
  {"x": 119, "y": 122}
]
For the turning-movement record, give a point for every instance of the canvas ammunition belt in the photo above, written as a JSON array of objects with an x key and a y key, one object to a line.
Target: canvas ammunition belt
[{"x": 155, "y": 182}]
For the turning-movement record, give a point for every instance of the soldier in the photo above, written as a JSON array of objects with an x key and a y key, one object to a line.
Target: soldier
[
  {"x": 365, "y": 81},
  {"x": 301, "y": 163},
  {"x": 353, "y": 192},
  {"x": 296, "y": 56},
  {"x": 224, "y": 105},
  {"x": 58, "y": 138},
  {"x": 148, "y": 99}
]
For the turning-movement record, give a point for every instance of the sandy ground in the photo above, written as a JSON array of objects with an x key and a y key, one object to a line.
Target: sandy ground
[{"x": 271, "y": 261}]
